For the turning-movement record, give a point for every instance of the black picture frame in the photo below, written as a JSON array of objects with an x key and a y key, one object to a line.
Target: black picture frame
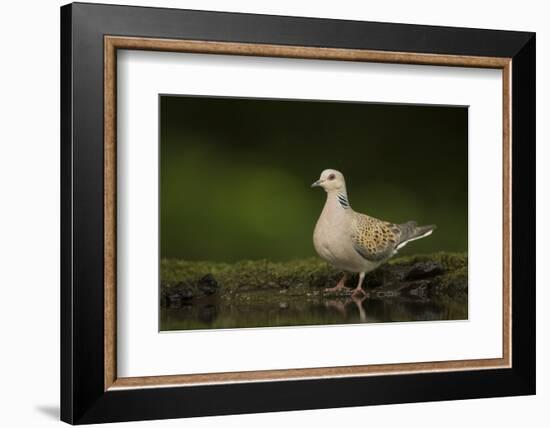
[{"x": 83, "y": 398}]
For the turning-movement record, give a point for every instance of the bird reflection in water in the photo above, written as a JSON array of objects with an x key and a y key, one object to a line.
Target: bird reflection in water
[{"x": 342, "y": 304}]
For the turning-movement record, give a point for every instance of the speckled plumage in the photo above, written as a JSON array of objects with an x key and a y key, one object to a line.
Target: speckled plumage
[
  {"x": 355, "y": 242},
  {"x": 377, "y": 240}
]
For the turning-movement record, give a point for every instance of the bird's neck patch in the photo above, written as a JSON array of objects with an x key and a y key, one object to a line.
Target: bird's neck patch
[{"x": 343, "y": 199}]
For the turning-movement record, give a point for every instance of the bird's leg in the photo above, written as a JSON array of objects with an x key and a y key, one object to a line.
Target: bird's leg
[
  {"x": 359, "y": 303},
  {"x": 340, "y": 286},
  {"x": 358, "y": 290}
]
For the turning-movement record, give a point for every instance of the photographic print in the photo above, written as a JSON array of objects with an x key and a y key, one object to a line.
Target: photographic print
[
  {"x": 285, "y": 192},
  {"x": 295, "y": 213}
]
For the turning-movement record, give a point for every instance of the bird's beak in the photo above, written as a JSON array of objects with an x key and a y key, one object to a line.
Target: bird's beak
[{"x": 316, "y": 184}]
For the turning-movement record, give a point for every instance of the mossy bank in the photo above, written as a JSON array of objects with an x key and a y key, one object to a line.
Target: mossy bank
[{"x": 438, "y": 275}]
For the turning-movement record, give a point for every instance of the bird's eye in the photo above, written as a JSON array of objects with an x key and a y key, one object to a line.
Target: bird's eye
[{"x": 331, "y": 177}]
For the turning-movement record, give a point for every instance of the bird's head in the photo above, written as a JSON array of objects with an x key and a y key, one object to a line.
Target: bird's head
[{"x": 331, "y": 180}]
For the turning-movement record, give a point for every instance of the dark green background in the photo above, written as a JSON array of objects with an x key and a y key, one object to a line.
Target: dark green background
[{"x": 235, "y": 173}]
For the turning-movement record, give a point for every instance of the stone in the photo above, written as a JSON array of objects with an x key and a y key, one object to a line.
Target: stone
[
  {"x": 174, "y": 300},
  {"x": 423, "y": 270},
  {"x": 208, "y": 284},
  {"x": 186, "y": 293}
]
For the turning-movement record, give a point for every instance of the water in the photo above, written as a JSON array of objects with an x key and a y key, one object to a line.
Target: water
[{"x": 276, "y": 311}]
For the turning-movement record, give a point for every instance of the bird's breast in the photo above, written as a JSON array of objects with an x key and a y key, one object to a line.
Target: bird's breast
[{"x": 332, "y": 241}]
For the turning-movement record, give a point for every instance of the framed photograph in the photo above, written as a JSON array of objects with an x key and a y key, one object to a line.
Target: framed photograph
[{"x": 265, "y": 213}]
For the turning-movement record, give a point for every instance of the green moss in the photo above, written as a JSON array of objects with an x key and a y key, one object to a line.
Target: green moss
[
  {"x": 454, "y": 281},
  {"x": 450, "y": 261},
  {"x": 300, "y": 277},
  {"x": 247, "y": 274}
]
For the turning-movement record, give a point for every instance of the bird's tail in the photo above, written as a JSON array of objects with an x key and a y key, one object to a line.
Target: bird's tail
[{"x": 410, "y": 231}]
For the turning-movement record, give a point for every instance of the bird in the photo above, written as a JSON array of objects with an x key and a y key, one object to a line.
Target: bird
[{"x": 353, "y": 242}]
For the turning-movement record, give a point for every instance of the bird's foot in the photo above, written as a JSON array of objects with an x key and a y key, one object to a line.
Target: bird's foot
[
  {"x": 341, "y": 286},
  {"x": 359, "y": 297},
  {"x": 336, "y": 289},
  {"x": 358, "y": 292}
]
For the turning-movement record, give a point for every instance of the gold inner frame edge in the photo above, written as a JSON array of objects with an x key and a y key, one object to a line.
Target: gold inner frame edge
[{"x": 113, "y": 43}]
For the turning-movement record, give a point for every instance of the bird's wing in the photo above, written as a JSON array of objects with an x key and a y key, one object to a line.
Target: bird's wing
[
  {"x": 375, "y": 240},
  {"x": 410, "y": 231}
]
